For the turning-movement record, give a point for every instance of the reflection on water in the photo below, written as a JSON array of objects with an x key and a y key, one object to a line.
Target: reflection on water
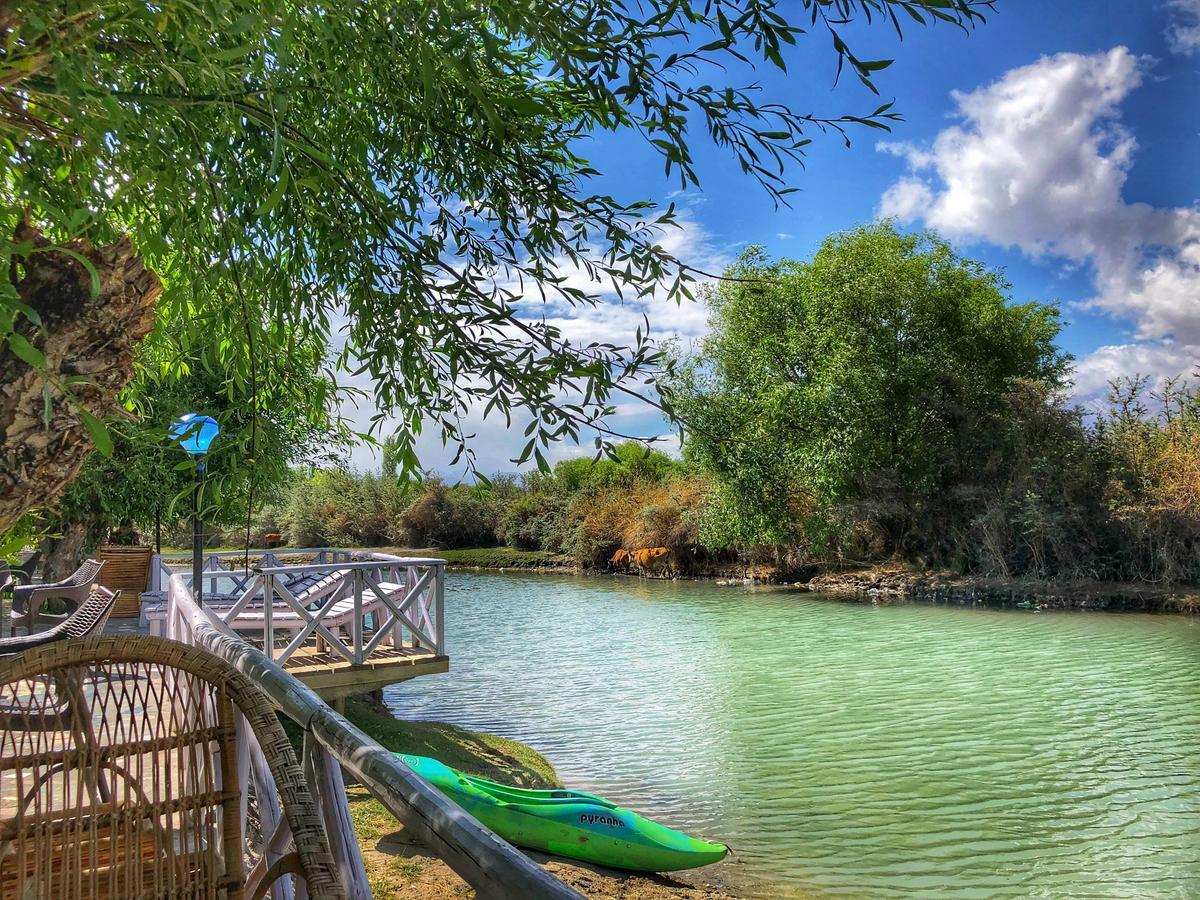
[{"x": 844, "y": 749}]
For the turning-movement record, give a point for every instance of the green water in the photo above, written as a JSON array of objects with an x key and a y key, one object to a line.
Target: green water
[{"x": 848, "y": 750}]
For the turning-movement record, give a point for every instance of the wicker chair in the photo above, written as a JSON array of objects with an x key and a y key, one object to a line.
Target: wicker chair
[
  {"x": 25, "y": 570},
  {"x": 8, "y": 581},
  {"x": 89, "y": 619},
  {"x": 128, "y": 784},
  {"x": 28, "y": 598}
]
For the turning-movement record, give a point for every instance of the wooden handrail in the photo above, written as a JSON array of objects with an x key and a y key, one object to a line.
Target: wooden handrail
[{"x": 480, "y": 857}]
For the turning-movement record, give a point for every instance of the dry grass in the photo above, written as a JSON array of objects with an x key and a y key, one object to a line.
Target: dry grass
[{"x": 643, "y": 515}]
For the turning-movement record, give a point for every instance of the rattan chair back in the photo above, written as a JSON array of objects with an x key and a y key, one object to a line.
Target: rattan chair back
[
  {"x": 29, "y": 598},
  {"x": 119, "y": 776}
]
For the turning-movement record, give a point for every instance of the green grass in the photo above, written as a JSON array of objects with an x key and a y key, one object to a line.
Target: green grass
[
  {"x": 477, "y": 753},
  {"x": 502, "y": 557},
  {"x": 474, "y": 752}
]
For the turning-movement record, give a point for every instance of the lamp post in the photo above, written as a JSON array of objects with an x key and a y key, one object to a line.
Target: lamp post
[{"x": 195, "y": 433}]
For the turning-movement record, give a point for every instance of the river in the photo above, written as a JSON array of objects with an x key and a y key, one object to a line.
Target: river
[{"x": 844, "y": 749}]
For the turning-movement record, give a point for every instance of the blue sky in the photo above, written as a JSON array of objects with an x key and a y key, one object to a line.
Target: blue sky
[{"x": 1060, "y": 141}]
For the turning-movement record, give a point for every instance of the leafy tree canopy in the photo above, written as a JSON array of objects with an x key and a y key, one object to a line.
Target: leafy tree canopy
[
  {"x": 407, "y": 173},
  {"x": 822, "y": 380}
]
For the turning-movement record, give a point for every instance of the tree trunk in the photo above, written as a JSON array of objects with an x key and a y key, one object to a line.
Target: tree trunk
[
  {"x": 65, "y": 553},
  {"x": 43, "y": 440}
]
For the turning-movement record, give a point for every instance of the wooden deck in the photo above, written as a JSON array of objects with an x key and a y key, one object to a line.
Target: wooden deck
[
  {"x": 343, "y": 622},
  {"x": 333, "y": 676}
]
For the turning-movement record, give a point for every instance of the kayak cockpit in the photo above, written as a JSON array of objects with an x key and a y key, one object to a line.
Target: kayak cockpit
[{"x": 533, "y": 797}]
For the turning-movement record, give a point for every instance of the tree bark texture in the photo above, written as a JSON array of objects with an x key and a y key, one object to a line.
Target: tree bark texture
[{"x": 87, "y": 335}]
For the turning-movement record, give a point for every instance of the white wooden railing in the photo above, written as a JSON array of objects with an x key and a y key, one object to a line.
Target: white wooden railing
[{"x": 349, "y": 604}]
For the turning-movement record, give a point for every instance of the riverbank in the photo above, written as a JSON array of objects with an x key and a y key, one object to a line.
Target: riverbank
[
  {"x": 399, "y": 868},
  {"x": 888, "y": 583},
  {"x": 504, "y": 558}
]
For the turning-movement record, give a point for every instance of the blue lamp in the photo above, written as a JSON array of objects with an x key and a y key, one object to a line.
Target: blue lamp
[{"x": 195, "y": 434}]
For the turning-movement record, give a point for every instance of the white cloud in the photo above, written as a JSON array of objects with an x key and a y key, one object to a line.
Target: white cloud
[
  {"x": 613, "y": 320},
  {"x": 1038, "y": 162},
  {"x": 1159, "y": 360},
  {"x": 1183, "y": 32}
]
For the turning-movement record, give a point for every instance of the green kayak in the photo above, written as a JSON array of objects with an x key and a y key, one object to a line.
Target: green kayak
[{"x": 569, "y": 823}]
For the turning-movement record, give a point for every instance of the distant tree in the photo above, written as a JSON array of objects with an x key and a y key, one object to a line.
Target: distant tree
[
  {"x": 628, "y": 462},
  {"x": 412, "y": 169},
  {"x": 389, "y": 459},
  {"x": 854, "y": 375}
]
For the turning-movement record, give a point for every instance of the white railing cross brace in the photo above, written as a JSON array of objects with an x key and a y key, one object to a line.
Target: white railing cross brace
[
  {"x": 335, "y": 643},
  {"x": 398, "y": 615}
]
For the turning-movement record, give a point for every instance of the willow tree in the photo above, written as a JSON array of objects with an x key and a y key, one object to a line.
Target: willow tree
[{"x": 407, "y": 171}]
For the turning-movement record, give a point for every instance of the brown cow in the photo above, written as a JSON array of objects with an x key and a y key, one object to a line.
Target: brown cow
[
  {"x": 644, "y": 557},
  {"x": 620, "y": 558}
]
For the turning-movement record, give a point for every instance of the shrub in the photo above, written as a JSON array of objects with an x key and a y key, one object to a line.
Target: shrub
[
  {"x": 533, "y": 521},
  {"x": 451, "y": 517},
  {"x": 642, "y": 515}
]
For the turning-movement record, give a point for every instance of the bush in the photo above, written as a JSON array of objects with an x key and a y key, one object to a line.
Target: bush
[
  {"x": 442, "y": 516},
  {"x": 343, "y": 508},
  {"x": 1154, "y": 489},
  {"x": 534, "y": 521},
  {"x": 643, "y": 515}
]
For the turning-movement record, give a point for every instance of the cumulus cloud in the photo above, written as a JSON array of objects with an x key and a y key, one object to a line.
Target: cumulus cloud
[
  {"x": 1038, "y": 162},
  {"x": 1093, "y": 373},
  {"x": 1183, "y": 31}
]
